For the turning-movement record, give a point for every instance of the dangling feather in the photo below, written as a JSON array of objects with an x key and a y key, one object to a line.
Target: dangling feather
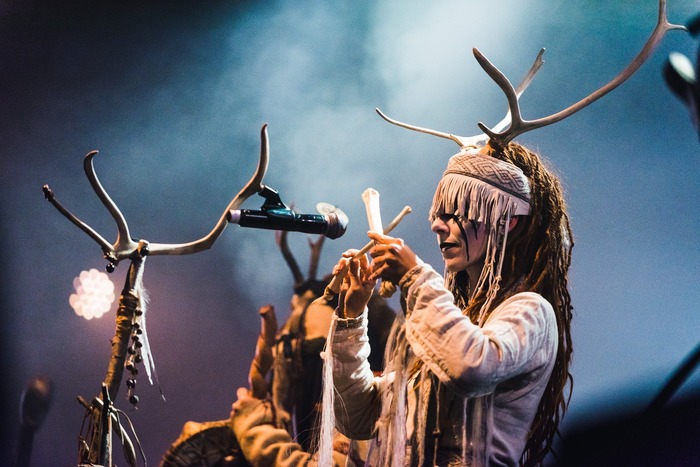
[{"x": 140, "y": 320}]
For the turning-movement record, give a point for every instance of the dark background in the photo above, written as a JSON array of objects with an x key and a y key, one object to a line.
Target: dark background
[{"x": 173, "y": 95}]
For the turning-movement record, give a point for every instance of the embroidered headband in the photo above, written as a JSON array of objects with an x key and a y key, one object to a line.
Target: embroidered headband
[{"x": 481, "y": 188}]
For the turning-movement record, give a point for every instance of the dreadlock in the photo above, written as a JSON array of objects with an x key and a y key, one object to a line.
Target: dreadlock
[{"x": 537, "y": 259}]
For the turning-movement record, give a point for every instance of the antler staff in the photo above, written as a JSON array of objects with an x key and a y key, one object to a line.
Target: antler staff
[
  {"x": 130, "y": 320},
  {"x": 125, "y": 247}
]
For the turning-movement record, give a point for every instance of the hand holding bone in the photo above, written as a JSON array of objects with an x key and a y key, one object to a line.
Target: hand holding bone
[
  {"x": 357, "y": 286},
  {"x": 374, "y": 218},
  {"x": 339, "y": 272},
  {"x": 391, "y": 258}
]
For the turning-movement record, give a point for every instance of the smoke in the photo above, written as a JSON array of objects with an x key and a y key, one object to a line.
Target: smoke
[{"x": 173, "y": 95}]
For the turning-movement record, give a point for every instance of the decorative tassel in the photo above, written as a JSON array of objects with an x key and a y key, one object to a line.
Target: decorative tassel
[
  {"x": 387, "y": 289},
  {"x": 148, "y": 363},
  {"x": 478, "y": 423},
  {"x": 325, "y": 449},
  {"x": 465, "y": 403}
]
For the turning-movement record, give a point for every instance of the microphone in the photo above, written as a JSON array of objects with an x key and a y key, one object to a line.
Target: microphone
[
  {"x": 332, "y": 225},
  {"x": 35, "y": 405}
]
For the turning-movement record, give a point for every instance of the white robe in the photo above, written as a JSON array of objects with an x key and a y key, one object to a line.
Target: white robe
[{"x": 509, "y": 360}]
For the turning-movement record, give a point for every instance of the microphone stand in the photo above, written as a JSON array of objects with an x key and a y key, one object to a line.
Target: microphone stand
[{"x": 678, "y": 378}]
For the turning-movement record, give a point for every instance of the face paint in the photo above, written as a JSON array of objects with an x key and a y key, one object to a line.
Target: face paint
[{"x": 462, "y": 247}]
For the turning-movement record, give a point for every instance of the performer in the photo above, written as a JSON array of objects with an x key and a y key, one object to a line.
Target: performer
[
  {"x": 476, "y": 371},
  {"x": 479, "y": 366}
]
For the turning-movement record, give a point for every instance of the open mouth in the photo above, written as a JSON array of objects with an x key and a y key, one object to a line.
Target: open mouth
[{"x": 444, "y": 246}]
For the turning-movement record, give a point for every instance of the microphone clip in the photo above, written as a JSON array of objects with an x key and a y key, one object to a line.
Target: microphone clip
[{"x": 273, "y": 205}]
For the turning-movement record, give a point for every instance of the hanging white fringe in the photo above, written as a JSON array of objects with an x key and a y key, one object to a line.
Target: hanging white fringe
[
  {"x": 483, "y": 203},
  {"x": 327, "y": 429}
]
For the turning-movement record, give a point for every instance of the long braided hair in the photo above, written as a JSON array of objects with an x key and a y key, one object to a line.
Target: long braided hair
[{"x": 537, "y": 259}]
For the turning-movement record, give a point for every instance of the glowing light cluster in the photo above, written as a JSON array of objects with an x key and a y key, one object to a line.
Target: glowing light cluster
[{"x": 94, "y": 294}]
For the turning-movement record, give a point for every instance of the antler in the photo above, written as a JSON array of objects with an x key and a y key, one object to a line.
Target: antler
[
  {"x": 520, "y": 126},
  {"x": 314, "y": 246},
  {"x": 125, "y": 246},
  {"x": 465, "y": 141},
  {"x": 283, "y": 244}
]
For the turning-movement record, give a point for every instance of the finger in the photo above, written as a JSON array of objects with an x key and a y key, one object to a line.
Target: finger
[
  {"x": 363, "y": 261},
  {"x": 368, "y": 282},
  {"x": 384, "y": 252},
  {"x": 345, "y": 284},
  {"x": 380, "y": 238},
  {"x": 376, "y": 271},
  {"x": 380, "y": 272},
  {"x": 242, "y": 393},
  {"x": 341, "y": 266},
  {"x": 377, "y": 274},
  {"x": 337, "y": 269},
  {"x": 378, "y": 251},
  {"x": 349, "y": 253},
  {"x": 355, "y": 271}
]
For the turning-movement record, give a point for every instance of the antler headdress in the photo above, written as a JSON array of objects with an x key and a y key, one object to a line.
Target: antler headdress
[
  {"x": 516, "y": 125},
  {"x": 484, "y": 189}
]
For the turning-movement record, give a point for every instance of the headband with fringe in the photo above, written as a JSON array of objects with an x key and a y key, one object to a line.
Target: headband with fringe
[{"x": 481, "y": 188}]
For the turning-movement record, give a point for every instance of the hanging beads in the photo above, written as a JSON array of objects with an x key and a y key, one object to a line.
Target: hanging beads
[{"x": 134, "y": 356}]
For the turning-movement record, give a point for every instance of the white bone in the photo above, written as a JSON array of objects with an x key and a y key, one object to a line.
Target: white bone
[
  {"x": 334, "y": 287},
  {"x": 374, "y": 216}
]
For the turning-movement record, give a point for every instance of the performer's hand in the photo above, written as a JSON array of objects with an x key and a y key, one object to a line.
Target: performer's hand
[
  {"x": 245, "y": 403},
  {"x": 249, "y": 412},
  {"x": 391, "y": 258},
  {"x": 357, "y": 286}
]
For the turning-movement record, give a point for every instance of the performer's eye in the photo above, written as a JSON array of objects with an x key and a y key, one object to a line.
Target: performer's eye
[{"x": 449, "y": 217}]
